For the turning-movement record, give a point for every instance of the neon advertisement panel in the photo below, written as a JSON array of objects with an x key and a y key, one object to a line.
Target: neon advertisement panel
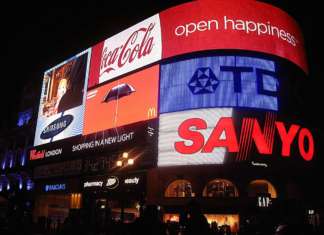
[
  {"x": 61, "y": 106},
  {"x": 242, "y": 25},
  {"x": 127, "y": 100},
  {"x": 135, "y": 47},
  {"x": 212, "y": 136},
  {"x": 219, "y": 81}
]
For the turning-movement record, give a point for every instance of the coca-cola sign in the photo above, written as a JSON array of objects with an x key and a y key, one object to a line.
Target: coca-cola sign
[{"x": 131, "y": 49}]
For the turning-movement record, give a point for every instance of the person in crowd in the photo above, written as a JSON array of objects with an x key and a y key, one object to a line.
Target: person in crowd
[
  {"x": 214, "y": 228},
  {"x": 225, "y": 230},
  {"x": 150, "y": 223},
  {"x": 48, "y": 224},
  {"x": 196, "y": 221}
]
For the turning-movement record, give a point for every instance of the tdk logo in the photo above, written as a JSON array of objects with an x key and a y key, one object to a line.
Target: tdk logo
[
  {"x": 219, "y": 81},
  {"x": 203, "y": 81}
]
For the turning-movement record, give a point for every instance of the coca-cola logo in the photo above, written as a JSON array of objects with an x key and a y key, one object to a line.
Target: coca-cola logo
[{"x": 139, "y": 44}]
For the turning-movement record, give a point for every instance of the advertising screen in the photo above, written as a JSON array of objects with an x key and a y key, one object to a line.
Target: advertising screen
[
  {"x": 128, "y": 100},
  {"x": 109, "y": 141},
  {"x": 242, "y": 25},
  {"x": 61, "y": 106},
  {"x": 135, "y": 47},
  {"x": 219, "y": 81},
  {"x": 187, "y": 152},
  {"x": 199, "y": 83},
  {"x": 223, "y": 135}
]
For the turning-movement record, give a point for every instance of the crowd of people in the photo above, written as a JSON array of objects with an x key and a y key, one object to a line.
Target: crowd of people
[{"x": 193, "y": 222}]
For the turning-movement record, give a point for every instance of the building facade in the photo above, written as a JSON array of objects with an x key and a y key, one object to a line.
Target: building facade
[{"x": 198, "y": 103}]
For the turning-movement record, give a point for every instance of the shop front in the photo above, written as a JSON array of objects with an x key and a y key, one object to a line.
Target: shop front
[
  {"x": 117, "y": 197},
  {"x": 226, "y": 199},
  {"x": 55, "y": 201}
]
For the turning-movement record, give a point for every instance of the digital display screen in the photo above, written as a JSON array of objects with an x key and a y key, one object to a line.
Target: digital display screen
[
  {"x": 219, "y": 81},
  {"x": 245, "y": 25},
  {"x": 223, "y": 135},
  {"x": 128, "y": 100},
  {"x": 126, "y": 51},
  {"x": 205, "y": 82},
  {"x": 188, "y": 151},
  {"x": 61, "y": 106}
]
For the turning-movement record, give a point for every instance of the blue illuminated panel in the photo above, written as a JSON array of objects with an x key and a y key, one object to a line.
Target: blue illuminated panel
[
  {"x": 219, "y": 81},
  {"x": 54, "y": 187}
]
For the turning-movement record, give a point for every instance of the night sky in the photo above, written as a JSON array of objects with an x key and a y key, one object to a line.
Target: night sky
[{"x": 37, "y": 36}]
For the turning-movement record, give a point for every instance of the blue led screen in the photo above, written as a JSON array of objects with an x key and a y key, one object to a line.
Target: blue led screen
[{"x": 219, "y": 81}]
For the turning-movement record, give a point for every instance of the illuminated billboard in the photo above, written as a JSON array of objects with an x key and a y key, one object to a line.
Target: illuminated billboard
[
  {"x": 142, "y": 134},
  {"x": 198, "y": 83},
  {"x": 221, "y": 135},
  {"x": 219, "y": 81},
  {"x": 124, "y": 52},
  {"x": 128, "y": 100},
  {"x": 172, "y": 131},
  {"x": 61, "y": 106},
  {"x": 242, "y": 25}
]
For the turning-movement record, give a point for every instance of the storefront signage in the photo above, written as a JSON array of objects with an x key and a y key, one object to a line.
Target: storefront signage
[
  {"x": 264, "y": 201},
  {"x": 132, "y": 180},
  {"x": 116, "y": 183},
  {"x": 90, "y": 184},
  {"x": 112, "y": 182},
  {"x": 34, "y": 154},
  {"x": 54, "y": 187}
]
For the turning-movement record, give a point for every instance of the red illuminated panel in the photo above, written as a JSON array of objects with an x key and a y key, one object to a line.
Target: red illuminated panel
[
  {"x": 204, "y": 136},
  {"x": 125, "y": 101},
  {"x": 34, "y": 154},
  {"x": 133, "y": 48},
  {"x": 244, "y": 25}
]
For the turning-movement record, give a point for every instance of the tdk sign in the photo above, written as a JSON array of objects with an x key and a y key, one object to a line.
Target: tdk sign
[
  {"x": 203, "y": 81},
  {"x": 56, "y": 127},
  {"x": 219, "y": 81}
]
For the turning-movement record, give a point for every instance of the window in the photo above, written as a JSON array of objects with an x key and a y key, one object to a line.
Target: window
[
  {"x": 220, "y": 188},
  {"x": 261, "y": 187},
  {"x": 179, "y": 188}
]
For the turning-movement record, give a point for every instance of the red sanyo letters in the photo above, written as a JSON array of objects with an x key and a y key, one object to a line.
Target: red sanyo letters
[{"x": 189, "y": 130}]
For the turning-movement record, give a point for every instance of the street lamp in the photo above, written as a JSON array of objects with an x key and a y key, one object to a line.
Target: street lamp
[
  {"x": 130, "y": 161},
  {"x": 124, "y": 160},
  {"x": 125, "y": 155},
  {"x": 119, "y": 163}
]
